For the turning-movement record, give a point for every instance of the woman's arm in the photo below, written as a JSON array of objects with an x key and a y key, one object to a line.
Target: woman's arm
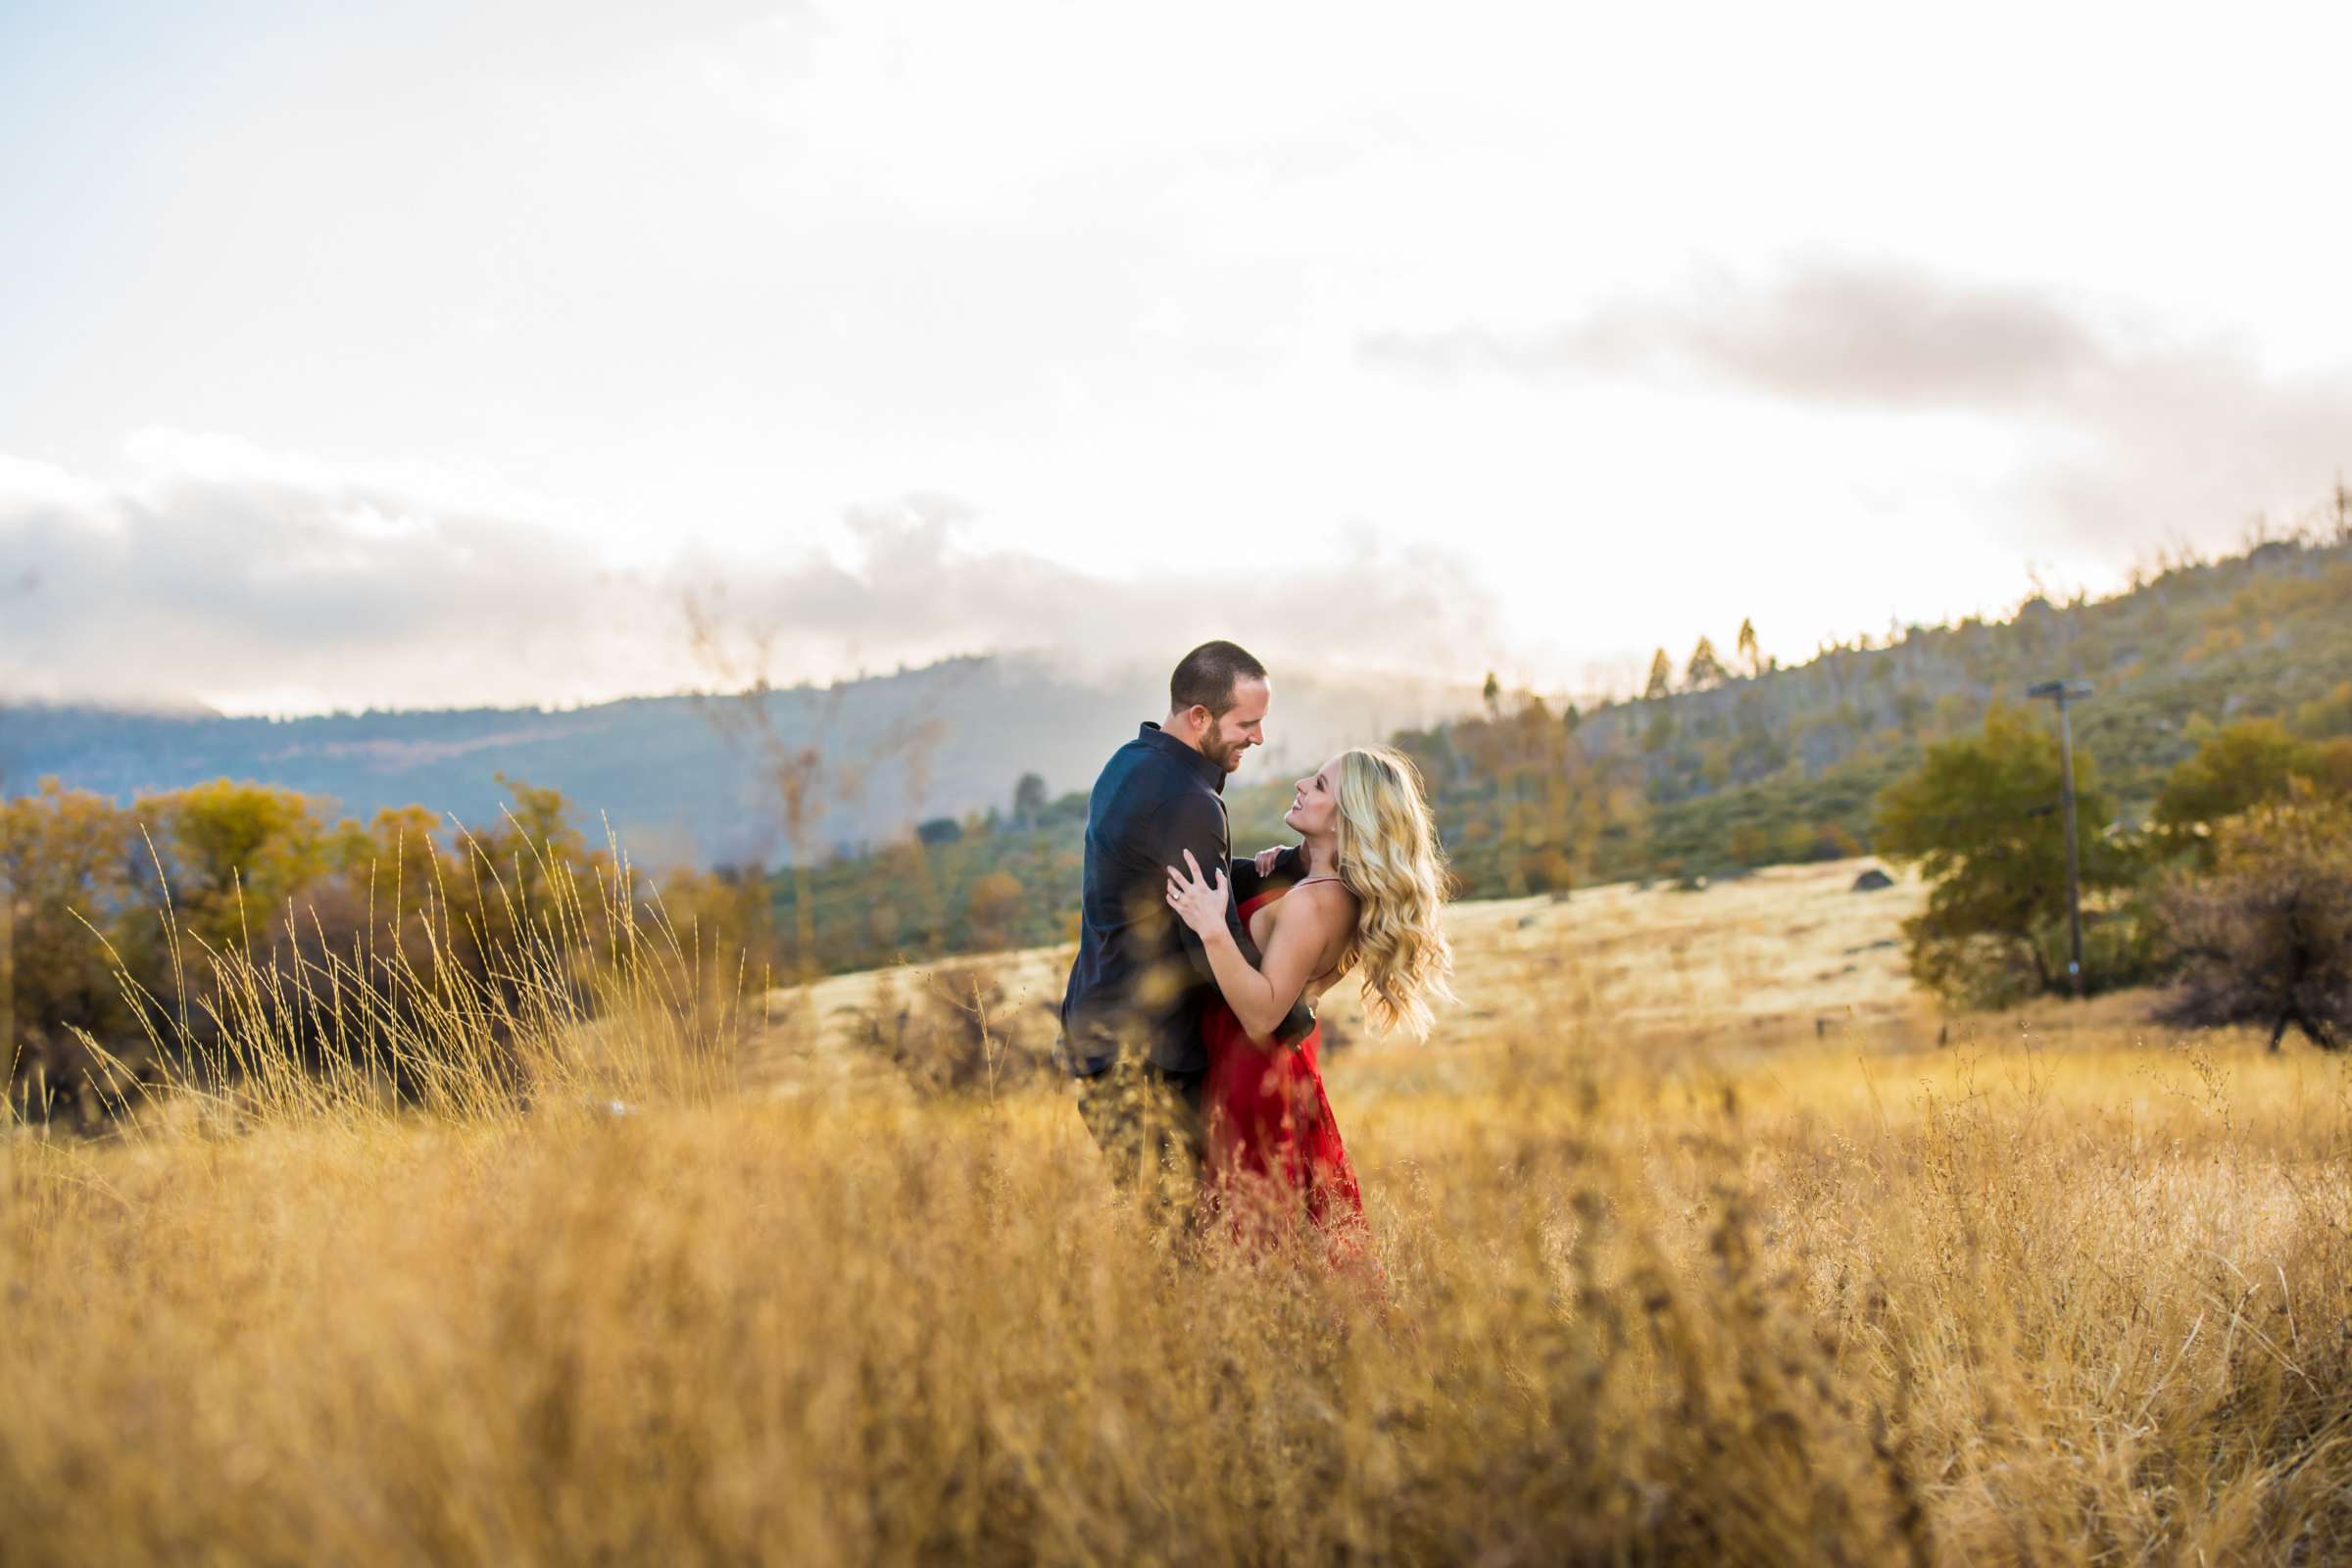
[
  {"x": 1259, "y": 998},
  {"x": 1192, "y": 828}
]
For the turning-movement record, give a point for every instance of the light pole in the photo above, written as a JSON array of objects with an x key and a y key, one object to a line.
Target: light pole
[{"x": 2063, "y": 692}]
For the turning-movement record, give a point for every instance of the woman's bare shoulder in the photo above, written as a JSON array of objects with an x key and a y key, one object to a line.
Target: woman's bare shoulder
[{"x": 1327, "y": 904}]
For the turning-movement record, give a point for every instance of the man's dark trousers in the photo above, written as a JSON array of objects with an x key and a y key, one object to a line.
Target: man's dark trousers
[{"x": 1147, "y": 1123}]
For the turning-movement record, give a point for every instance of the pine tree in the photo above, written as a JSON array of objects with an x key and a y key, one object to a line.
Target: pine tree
[
  {"x": 1028, "y": 800},
  {"x": 1750, "y": 652},
  {"x": 1704, "y": 669},
  {"x": 1661, "y": 677}
]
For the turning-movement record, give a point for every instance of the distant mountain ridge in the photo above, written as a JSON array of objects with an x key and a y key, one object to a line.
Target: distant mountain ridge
[{"x": 688, "y": 778}]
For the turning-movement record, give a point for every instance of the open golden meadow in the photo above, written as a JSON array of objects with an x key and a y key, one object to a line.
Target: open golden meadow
[{"x": 1702, "y": 1239}]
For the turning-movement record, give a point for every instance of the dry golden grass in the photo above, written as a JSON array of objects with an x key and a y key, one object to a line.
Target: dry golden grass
[{"x": 1671, "y": 1276}]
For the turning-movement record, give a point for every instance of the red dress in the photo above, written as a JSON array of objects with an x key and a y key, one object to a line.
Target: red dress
[{"x": 1274, "y": 1152}]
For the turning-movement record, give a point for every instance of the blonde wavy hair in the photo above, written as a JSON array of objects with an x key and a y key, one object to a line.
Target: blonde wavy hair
[{"x": 1389, "y": 860}]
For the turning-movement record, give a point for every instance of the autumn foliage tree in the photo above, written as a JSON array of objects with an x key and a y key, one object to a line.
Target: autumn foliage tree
[
  {"x": 228, "y": 854},
  {"x": 157, "y": 920},
  {"x": 66, "y": 884},
  {"x": 2249, "y": 764},
  {"x": 992, "y": 904}
]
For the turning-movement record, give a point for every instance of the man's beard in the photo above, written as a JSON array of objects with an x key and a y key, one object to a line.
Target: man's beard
[{"x": 1214, "y": 747}]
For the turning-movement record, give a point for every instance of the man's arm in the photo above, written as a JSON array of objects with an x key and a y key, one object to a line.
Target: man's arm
[
  {"x": 1247, "y": 884},
  {"x": 1197, "y": 823}
]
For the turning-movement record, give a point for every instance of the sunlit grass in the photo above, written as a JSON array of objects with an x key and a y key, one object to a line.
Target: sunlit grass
[{"x": 2035, "y": 1296}]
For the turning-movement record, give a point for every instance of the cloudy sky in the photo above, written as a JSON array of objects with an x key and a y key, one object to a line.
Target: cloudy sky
[{"x": 443, "y": 354}]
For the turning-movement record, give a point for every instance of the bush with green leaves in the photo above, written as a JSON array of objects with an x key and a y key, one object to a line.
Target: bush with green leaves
[{"x": 1982, "y": 818}]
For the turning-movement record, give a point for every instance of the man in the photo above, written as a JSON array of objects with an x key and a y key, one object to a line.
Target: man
[{"x": 1130, "y": 1018}]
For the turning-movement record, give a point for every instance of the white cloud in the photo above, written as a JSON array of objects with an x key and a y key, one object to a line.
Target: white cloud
[
  {"x": 2128, "y": 432},
  {"x": 1870, "y": 336},
  {"x": 255, "y": 581}
]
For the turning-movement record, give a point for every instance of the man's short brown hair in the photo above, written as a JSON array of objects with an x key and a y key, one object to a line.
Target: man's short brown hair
[{"x": 1207, "y": 675}]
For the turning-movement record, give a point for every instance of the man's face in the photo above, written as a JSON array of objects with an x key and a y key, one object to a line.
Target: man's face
[{"x": 1241, "y": 726}]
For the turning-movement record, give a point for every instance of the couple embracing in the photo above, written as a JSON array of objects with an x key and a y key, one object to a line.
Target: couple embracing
[{"x": 1189, "y": 1022}]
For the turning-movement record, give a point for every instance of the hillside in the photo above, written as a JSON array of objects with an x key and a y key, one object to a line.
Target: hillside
[{"x": 1784, "y": 763}]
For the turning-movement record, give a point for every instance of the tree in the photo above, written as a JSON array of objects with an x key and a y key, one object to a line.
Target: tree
[
  {"x": 992, "y": 905},
  {"x": 1659, "y": 732},
  {"x": 65, "y": 858},
  {"x": 1491, "y": 695},
  {"x": 2266, "y": 936},
  {"x": 1661, "y": 677},
  {"x": 1750, "y": 652},
  {"x": 1028, "y": 800},
  {"x": 2331, "y": 715},
  {"x": 727, "y": 914},
  {"x": 1704, "y": 670},
  {"x": 2249, "y": 764},
  {"x": 1980, "y": 816},
  {"x": 808, "y": 757},
  {"x": 522, "y": 868},
  {"x": 1910, "y": 706},
  {"x": 233, "y": 853},
  {"x": 400, "y": 851}
]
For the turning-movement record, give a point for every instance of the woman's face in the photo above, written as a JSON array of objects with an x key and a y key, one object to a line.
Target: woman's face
[{"x": 1316, "y": 805}]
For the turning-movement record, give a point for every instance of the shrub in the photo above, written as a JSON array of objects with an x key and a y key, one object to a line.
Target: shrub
[
  {"x": 992, "y": 905},
  {"x": 2265, "y": 937},
  {"x": 957, "y": 1029}
]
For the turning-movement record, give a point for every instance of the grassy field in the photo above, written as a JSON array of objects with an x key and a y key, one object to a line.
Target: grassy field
[{"x": 1697, "y": 1247}]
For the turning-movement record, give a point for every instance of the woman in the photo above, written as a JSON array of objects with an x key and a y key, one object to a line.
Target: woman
[{"x": 1369, "y": 903}]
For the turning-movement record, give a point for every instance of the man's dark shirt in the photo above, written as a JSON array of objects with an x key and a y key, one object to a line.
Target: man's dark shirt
[{"x": 1142, "y": 974}]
